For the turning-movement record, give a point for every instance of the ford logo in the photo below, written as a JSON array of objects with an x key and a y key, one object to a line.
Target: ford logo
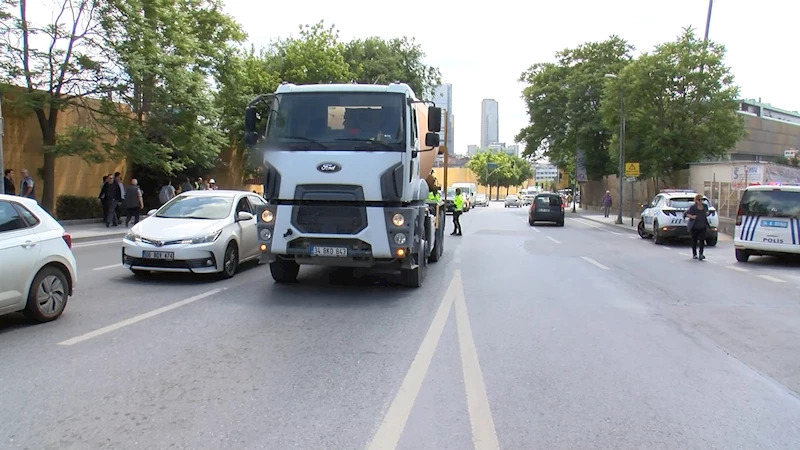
[{"x": 329, "y": 167}]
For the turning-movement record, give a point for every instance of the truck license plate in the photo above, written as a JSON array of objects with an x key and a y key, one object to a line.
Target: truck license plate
[
  {"x": 167, "y": 256},
  {"x": 333, "y": 252}
]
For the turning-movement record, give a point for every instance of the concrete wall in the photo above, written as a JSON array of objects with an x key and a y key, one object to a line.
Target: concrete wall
[
  {"x": 643, "y": 192},
  {"x": 22, "y": 149},
  {"x": 766, "y": 139}
]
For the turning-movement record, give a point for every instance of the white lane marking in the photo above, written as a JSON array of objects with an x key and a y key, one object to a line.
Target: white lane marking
[
  {"x": 553, "y": 239},
  {"x": 771, "y": 278},
  {"x": 597, "y": 226},
  {"x": 738, "y": 269},
  {"x": 94, "y": 243},
  {"x": 484, "y": 434},
  {"x": 666, "y": 248},
  {"x": 108, "y": 267},
  {"x": 390, "y": 430},
  {"x": 536, "y": 229},
  {"x": 139, "y": 318},
  {"x": 634, "y": 237},
  {"x": 457, "y": 260},
  {"x": 591, "y": 261},
  {"x": 684, "y": 254}
]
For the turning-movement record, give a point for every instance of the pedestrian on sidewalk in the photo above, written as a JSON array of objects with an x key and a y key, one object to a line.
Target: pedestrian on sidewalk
[
  {"x": 133, "y": 202},
  {"x": 8, "y": 182},
  {"x": 111, "y": 196},
  {"x": 697, "y": 225},
  {"x": 607, "y": 202}
]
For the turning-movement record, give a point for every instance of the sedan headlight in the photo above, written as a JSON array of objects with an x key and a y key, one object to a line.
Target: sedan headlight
[
  {"x": 267, "y": 216},
  {"x": 131, "y": 236},
  {"x": 398, "y": 220},
  {"x": 211, "y": 237}
]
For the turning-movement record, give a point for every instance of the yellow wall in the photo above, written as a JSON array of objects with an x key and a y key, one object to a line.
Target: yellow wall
[
  {"x": 22, "y": 149},
  {"x": 464, "y": 175}
]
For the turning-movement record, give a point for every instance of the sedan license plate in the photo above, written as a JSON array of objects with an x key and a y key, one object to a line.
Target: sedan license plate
[
  {"x": 543, "y": 210},
  {"x": 333, "y": 252},
  {"x": 167, "y": 256}
]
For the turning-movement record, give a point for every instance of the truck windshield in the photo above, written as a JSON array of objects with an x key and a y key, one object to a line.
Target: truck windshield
[{"x": 337, "y": 121}]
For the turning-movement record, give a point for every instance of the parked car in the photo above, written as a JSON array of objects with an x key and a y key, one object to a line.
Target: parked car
[
  {"x": 512, "y": 201},
  {"x": 547, "y": 208},
  {"x": 38, "y": 272},
  {"x": 200, "y": 232}
]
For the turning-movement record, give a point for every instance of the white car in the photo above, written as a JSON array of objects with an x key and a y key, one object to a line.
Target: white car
[
  {"x": 512, "y": 200},
  {"x": 663, "y": 219},
  {"x": 200, "y": 232},
  {"x": 768, "y": 222},
  {"x": 38, "y": 272}
]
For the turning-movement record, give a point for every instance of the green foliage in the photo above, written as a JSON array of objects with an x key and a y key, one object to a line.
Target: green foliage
[
  {"x": 676, "y": 113},
  {"x": 72, "y": 207},
  {"x": 510, "y": 170},
  {"x": 563, "y": 100}
]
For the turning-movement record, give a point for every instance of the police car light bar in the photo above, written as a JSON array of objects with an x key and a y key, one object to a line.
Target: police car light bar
[{"x": 672, "y": 191}]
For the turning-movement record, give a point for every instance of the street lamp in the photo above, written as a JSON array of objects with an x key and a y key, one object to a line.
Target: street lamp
[{"x": 621, "y": 145}]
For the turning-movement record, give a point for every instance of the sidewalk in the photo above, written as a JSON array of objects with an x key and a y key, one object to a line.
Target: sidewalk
[
  {"x": 597, "y": 216},
  {"x": 82, "y": 232}
]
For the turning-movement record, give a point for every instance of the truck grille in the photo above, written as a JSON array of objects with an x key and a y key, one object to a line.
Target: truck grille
[{"x": 329, "y": 219}]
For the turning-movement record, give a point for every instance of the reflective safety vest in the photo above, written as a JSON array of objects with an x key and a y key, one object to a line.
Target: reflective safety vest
[
  {"x": 459, "y": 202},
  {"x": 433, "y": 197}
]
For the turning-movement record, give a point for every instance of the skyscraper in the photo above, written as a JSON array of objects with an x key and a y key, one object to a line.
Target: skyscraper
[
  {"x": 443, "y": 98},
  {"x": 490, "y": 122}
]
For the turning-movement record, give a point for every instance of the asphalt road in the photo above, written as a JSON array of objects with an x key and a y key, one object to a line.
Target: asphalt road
[{"x": 581, "y": 337}]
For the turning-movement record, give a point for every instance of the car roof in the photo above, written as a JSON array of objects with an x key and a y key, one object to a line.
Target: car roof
[
  {"x": 16, "y": 198},
  {"x": 215, "y": 193},
  {"x": 768, "y": 187}
]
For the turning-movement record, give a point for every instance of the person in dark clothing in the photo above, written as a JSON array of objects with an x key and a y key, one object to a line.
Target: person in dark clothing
[
  {"x": 102, "y": 197},
  {"x": 132, "y": 203},
  {"x": 697, "y": 225},
  {"x": 111, "y": 197},
  {"x": 186, "y": 186},
  {"x": 8, "y": 182}
]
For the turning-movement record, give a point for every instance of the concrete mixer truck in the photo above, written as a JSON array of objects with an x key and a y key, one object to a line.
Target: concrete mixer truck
[{"x": 344, "y": 173}]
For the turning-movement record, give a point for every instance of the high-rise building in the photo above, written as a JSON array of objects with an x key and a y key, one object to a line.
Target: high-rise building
[
  {"x": 490, "y": 122},
  {"x": 443, "y": 98},
  {"x": 472, "y": 150}
]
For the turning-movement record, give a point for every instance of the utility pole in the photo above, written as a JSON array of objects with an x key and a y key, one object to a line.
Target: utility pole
[
  {"x": 575, "y": 184},
  {"x": 621, "y": 149},
  {"x": 2, "y": 128}
]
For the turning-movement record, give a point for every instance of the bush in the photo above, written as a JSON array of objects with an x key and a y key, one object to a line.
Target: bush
[{"x": 72, "y": 207}]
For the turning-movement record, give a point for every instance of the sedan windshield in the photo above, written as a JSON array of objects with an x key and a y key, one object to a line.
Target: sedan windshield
[
  {"x": 337, "y": 121},
  {"x": 197, "y": 207}
]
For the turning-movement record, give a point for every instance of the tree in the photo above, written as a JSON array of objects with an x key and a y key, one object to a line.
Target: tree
[
  {"x": 167, "y": 51},
  {"x": 316, "y": 56},
  {"x": 563, "y": 101},
  {"x": 378, "y": 61},
  {"x": 510, "y": 170},
  {"x": 675, "y": 112},
  {"x": 57, "y": 64}
]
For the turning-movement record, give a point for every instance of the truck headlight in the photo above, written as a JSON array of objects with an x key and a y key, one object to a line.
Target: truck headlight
[
  {"x": 265, "y": 234},
  {"x": 267, "y": 216},
  {"x": 398, "y": 220},
  {"x": 399, "y": 238}
]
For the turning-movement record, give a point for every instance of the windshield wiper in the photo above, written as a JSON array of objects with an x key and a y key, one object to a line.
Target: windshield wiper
[
  {"x": 307, "y": 139},
  {"x": 371, "y": 141}
]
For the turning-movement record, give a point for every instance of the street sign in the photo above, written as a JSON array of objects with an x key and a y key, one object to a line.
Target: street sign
[
  {"x": 632, "y": 169},
  {"x": 491, "y": 165},
  {"x": 630, "y": 179}
]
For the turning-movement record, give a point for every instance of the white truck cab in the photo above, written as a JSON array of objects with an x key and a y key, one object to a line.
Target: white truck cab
[
  {"x": 344, "y": 169},
  {"x": 768, "y": 222}
]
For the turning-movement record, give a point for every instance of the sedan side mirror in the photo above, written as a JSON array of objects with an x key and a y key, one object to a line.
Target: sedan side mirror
[
  {"x": 151, "y": 212},
  {"x": 243, "y": 216}
]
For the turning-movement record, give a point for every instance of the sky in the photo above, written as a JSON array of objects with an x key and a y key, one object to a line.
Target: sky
[{"x": 483, "y": 50}]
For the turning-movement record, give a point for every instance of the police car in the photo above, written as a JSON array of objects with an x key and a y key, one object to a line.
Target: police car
[
  {"x": 663, "y": 219},
  {"x": 768, "y": 222}
]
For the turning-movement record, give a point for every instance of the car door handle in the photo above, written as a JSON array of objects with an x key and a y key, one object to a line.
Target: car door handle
[{"x": 28, "y": 244}]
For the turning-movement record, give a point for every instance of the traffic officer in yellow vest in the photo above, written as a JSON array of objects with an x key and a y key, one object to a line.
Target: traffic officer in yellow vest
[{"x": 458, "y": 208}]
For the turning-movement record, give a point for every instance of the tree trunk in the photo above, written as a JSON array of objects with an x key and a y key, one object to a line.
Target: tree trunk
[
  {"x": 507, "y": 189},
  {"x": 47, "y": 125}
]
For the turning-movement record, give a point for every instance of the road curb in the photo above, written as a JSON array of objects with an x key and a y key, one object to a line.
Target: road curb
[
  {"x": 614, "y": 226},
  {"x": 103, "y": 237},
  {"x": 66, "y": 223}
]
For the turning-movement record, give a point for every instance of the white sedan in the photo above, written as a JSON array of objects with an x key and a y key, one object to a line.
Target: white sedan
[
  {"x": 37, "y": 268},
  {"x": 196, "y": 232}
]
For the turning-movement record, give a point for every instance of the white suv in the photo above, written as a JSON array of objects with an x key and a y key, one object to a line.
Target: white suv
[
  {"x": 663, "y": 217},
  {"x": 768, "y": 222},
  {"x": 37, "y": 267}
]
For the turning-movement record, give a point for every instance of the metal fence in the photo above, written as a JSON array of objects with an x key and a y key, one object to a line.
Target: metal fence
[{"x": 724, "y": 196}]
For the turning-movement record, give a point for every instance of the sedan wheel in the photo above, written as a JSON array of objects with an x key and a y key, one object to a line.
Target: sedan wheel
[
  {"x": 48, "y": 295},
  {"x": 231, "y": 261}
]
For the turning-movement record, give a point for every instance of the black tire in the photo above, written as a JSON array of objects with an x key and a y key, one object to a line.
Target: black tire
[
  {"x": 438, "y": 246},
  {"x": 414, "y": 278},
  {"x": 284, "y": 270},
  {"x": 230, "y": 261},
  {"x": 48, "y": 295},
  {"x": 742, "y": 255},
  {"x": 560, "y": 224},
  {"x": 657, "y": 238},
  {"x": 642, "y": 232},
  {"x": 531, "y": 222},
  {"x": 711, "y": 242},
  {"x": 139, "y": 273}
]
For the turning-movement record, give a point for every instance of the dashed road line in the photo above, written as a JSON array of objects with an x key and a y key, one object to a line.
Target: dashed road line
[
  {"x": 771, "y": 278},
  {"x": 738, "y": 269},
  {"x": 595, "y": 263},
  {"x": 139, "y": 318},
  {"x": 108, "y": 267},
  {"x": 634, "y": 237},
  {"x": 554, "y": 240},
  {"x": 536, "y": 229}
]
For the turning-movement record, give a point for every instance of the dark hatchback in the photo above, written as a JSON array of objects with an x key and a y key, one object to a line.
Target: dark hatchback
[{"x": 547, "y": 208}]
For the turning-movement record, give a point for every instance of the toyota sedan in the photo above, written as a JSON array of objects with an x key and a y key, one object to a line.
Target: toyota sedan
[{"x": 202, "y": 232}]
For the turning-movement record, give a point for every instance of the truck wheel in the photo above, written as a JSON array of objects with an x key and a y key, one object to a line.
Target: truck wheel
[
  {"x": 414, "y": 277},
  {"x": 436, "y": 253},
  {"x": 284, "y": 270}
]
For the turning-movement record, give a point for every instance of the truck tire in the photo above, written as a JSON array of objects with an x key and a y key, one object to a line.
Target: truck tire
[
  {"x": 438, "y": 245},
  {"x": 415, "y": 277},
  {"x": 284, "y": 270}
]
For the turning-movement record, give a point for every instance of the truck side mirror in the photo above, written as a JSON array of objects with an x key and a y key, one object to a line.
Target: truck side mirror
[
  {"x": 434, "y": 120},
  {"x": 250, "y": 138},
  {"x": 431, "y": 140},
  {"x": 250, "y": 135}
]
